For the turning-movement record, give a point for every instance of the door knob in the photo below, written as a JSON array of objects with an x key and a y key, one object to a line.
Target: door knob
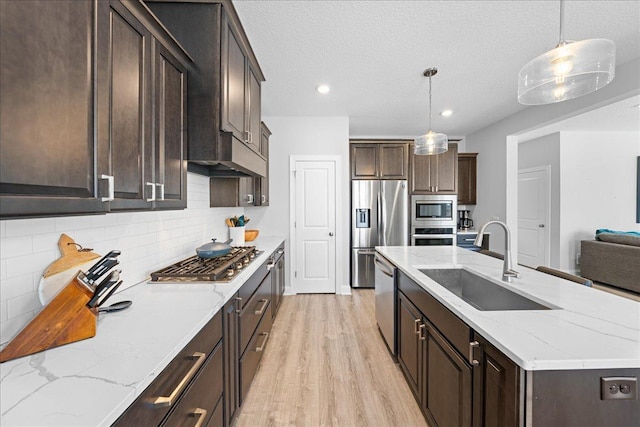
[
  {"x": 331, "y": 234},
  {"x": 541, "y": 225}
]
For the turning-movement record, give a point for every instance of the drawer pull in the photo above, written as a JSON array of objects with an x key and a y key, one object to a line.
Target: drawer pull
[
  {"x": 417, "y": 326},
  {"x": 280, "y": 251},
  {"x": 164, "y": 401},
  {"x": 264, "y": 305},
  {"x": 201, "y": 414},
  {"x": 238, "y": 305},
  {"x": 271, "y": 264},
  {"x": 261, "y": 347}
]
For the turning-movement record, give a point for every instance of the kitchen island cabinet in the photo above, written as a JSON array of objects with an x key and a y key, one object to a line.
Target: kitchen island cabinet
[
  {"x": 512, "y": 367},
  {"x": 94, "y": 381}
]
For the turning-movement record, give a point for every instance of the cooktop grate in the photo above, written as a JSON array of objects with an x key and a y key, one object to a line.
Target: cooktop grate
[{"x": 196, "y": 269}]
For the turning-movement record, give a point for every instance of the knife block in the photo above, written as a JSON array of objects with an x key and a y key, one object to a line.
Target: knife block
[{"x": 65, "y": 319}]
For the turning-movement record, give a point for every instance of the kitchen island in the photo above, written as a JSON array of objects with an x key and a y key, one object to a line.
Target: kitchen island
[
  {"x": 92, "y": 382},
  {"x": 557, "y": 356}
]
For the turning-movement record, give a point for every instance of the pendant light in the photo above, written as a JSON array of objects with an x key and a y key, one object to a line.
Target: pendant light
[
  {"x": 570, "y": 70},
  {"x": 431, "y": 142}
]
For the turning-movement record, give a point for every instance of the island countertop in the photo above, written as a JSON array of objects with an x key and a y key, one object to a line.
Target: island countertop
[
  {"x": 92, "y": 382},
  {"x": 589, "y": 329}
]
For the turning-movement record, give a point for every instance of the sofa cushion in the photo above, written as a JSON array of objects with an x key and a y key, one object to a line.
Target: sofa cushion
[
  {"x": 611, "y": 263},
  {"x": 623, "y": 239}
]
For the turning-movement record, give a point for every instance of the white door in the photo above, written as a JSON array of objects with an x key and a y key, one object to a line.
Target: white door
[
  {"x": 533, "y": 216},
  {"x": 315, "y": 226}
]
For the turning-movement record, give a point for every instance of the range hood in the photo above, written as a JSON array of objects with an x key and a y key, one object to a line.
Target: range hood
[{"x": 232, "y": 159}]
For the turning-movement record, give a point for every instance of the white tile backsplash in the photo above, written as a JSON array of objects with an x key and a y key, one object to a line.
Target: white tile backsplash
[{"x": 148, "y": 241}]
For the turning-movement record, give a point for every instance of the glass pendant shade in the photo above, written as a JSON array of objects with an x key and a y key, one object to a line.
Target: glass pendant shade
[
  {"x": 431, "y": 143},
  {"x": 570, "y": 70}
]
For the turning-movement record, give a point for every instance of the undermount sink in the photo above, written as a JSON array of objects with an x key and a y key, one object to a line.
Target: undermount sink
[{"x": 479, "y": 292}]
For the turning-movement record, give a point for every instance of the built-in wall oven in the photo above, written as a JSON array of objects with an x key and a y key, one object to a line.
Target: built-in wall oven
[{"x": 433, "y": 220}]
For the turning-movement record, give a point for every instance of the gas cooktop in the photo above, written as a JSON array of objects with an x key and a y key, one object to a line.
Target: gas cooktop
[{"x": 195, "y": 269}]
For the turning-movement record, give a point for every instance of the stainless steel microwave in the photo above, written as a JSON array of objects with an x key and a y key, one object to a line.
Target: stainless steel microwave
[{"x": 434, "y": 210}]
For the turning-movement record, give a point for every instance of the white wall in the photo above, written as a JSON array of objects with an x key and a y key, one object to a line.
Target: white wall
[
  {"x": 292, "y": 136},
  {"x": 148, "y": 241},
  {"x": 598, "y": 176},
  {"x": 541, "y": 152},
  {"x": 496, "y": 178}
]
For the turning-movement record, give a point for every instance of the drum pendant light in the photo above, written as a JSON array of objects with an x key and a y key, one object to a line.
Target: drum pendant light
[
  {"x": 431, "y": 142},
  {"x": 570, "y": 70}
]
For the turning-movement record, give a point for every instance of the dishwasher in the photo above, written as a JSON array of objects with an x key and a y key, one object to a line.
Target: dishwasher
[{"x": 385, "y": 291}]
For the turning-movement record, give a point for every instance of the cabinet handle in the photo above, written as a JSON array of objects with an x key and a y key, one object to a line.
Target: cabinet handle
[
  {"x": 153, "y": 191},
  {"x": 264, "y": 305},
  {"x": 472, "y": 346},
  {"x": 201, "y": 414},
  {"x": 417, "y": 326},
  {"x": 249, "y": 198},
  {"x": 271, "y": 264},
  {"x": 263, "y": 198},
  {"x": 164, "y": 401},
  {"x": 280, "y": 251},
  {"x": 111, "y": 190},
  {"x": 238, "y": 304},
  {"x": 421, "y": 334},
  {"x": 261, "y": 347},
  {"x": 161, "y": 191},
  {"x": 249, "y": 138}
]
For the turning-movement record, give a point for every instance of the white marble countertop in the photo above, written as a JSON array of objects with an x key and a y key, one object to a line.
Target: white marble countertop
[
  {"x": 92, "y": 382},
  {"x": 591, "y": 329}
]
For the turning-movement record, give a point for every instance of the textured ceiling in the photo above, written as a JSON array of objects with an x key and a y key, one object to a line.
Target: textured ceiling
[{"x": 372, "y": 54}]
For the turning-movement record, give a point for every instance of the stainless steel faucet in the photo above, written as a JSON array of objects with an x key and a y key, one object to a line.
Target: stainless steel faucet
[{"x": 507, "y": 272}]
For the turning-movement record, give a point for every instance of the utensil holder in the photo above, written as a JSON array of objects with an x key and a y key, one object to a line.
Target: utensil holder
[
  {"x": 237, "y": 234},
  {"x": 64, "y": 320}
]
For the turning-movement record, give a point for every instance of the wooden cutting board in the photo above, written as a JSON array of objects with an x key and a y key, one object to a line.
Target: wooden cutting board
[{"x": 62, "y": 270}]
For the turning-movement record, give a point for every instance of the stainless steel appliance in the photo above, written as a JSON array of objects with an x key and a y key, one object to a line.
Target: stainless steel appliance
[
  {"x": 379, "y": 217},
  {"x": 433, "y": 220},
  {"x": 464, "y": 220},
  {"x": 195, "y": 269},
  {"x": 386, "y": 300}
]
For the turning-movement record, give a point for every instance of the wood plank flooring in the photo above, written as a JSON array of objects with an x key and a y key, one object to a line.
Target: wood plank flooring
[{"x": 326, "y": 364}]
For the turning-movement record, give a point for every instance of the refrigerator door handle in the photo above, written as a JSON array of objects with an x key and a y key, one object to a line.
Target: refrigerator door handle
[
  {"x": 381, "y": 236},
  {"x": 366, "y": 252}
]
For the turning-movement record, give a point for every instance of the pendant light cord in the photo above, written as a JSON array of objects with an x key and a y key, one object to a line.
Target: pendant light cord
[
  {"x": 430, "y": 113},
  {"x": 561, "y": 22}
]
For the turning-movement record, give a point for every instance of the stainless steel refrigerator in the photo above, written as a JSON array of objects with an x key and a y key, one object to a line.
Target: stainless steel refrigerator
[{"x": 379, "y": 217}]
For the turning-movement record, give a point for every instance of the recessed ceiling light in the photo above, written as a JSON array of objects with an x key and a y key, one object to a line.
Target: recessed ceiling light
[
  {"x": 446, "y": 113},
  {"x": 323, "y": 89}
]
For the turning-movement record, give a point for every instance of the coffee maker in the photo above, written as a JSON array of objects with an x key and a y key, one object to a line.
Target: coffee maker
[{"x": 464, "y": 220}]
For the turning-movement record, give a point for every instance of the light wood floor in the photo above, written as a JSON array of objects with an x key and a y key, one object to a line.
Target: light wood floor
[{"x": 326, "y": 365}]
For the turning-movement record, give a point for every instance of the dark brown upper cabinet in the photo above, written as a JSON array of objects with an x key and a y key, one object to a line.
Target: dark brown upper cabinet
[
  {"x": 48, "y": 77},
  {"x": 467, "y": 178},
  {"x": 224, "y": 87},
  {"x": 98, "y": 128},
  {"x": 262, "y": 183},
  {"x": 379, "y": 160},
  {"x": 146, "y": 134},
  {"x": 435, "y": 174}
]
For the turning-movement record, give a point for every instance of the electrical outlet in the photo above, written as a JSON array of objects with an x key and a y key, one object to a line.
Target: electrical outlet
[{"x": 618, "y": 388}]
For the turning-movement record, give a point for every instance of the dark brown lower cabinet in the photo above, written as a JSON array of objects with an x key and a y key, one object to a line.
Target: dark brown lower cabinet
[
  {"x": 495, "y": 387},
  {"x": 480, "y": 388},
  {"x": 231, "y": 377},
  {"x": 409, "y": 344},
  {"x": 446, "y": 383},
  {"x": 197, "y": 405}
]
